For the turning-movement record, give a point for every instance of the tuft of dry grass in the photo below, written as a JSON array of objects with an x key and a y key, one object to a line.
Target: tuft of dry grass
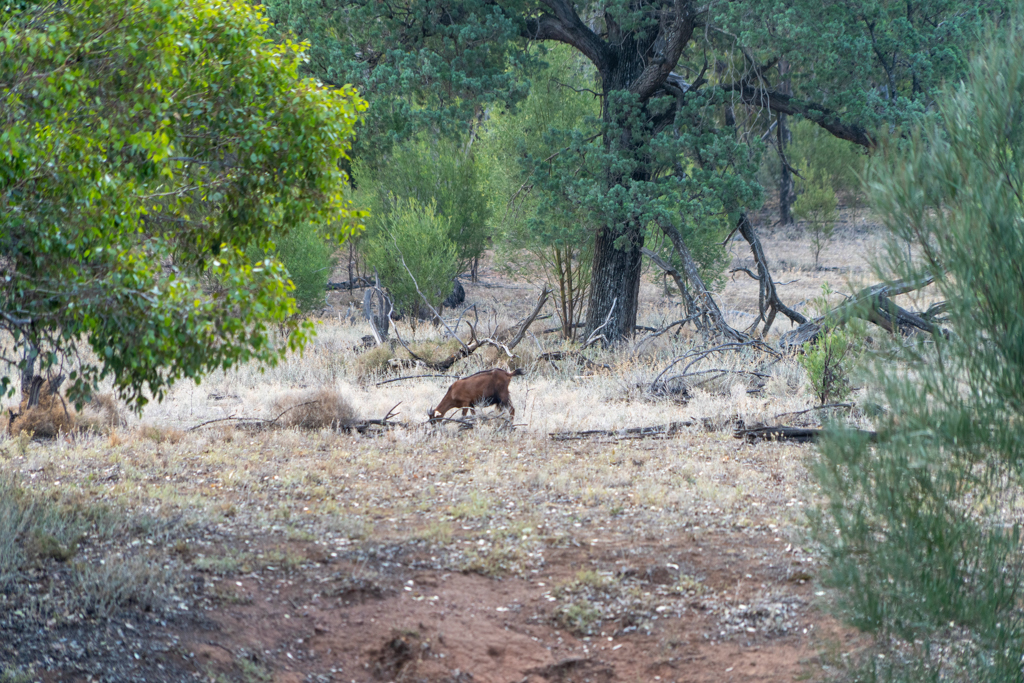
[
  {"x": 158, "y": 434},
  {"x": 372, "y": 362},
  {"x": 323, "y": 408},
  {"x": 50, "y": 417},
  {"x": 103, "y": 414}
]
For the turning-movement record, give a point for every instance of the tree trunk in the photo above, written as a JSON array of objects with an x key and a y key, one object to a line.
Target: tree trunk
[
  {"x": 615, "y": 281},
  {"x": 787, "y": 194}
]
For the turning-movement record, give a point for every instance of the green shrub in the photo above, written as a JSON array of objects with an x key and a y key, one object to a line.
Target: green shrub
[
  {"x": 827, "y": 361},
  {"x": 309, "y": 258},
  {"x": 817, "y": 205},
  {"x": 443, "y": 174},
  {"x": 411, "y": 252},
  {"x": 838, "y": 162},
  {"x": 921, "y": 527}
]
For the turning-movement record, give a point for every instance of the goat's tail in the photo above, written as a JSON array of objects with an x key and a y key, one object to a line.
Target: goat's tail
[{"x": 518, "y": 371}]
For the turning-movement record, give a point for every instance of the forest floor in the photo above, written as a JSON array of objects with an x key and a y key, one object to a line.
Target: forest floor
[{"x": 425, "y": 553}]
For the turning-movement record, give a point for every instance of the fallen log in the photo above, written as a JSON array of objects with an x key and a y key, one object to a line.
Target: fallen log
[
  {"x": 552, "y": 356},
  {"x": 875, "y": 305},
  {"x": 784, "y": 433},
  {"x": 626, "y": 433},
  {"x": 258, "y": 423}
]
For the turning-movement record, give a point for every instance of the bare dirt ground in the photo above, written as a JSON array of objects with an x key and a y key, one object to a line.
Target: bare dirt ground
[{"x": 433, "y": 554}]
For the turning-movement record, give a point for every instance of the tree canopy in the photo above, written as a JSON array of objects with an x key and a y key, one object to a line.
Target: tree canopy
[
  {"x": 669, "y": 77},
  {"x": 146, "y": 145}
]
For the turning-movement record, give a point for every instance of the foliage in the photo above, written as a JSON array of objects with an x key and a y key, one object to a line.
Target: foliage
[
  {"x": 544, "y": 223},
  {"x": 423, "y": 68},
  {"x": 308, "y": 256},
  {"x": 660, "y": 157},
  {"x": 921, "y": 529},
  {"x": 839, "y": 163},
  {"x": 147, "y": 145},
  {"x": 826, "y": 361},
  {"x": 439, "y": 172},
  {"x": 878, "y": 63},
  {"x": 412, "y": 254},
  {"x": 816, "y": 205}
]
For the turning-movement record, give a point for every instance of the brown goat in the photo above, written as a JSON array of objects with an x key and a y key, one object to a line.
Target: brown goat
[{"x": 485, "y": 388}]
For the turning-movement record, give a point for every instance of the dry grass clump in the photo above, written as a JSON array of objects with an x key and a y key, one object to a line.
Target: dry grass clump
[
  {"x": 103, "y": 414},
  {"x": 161, "y": 434},
  {"x": 372, "y": 362},
  {"x": 323, "y": 408},
  {"x": 50, "y": 417}
]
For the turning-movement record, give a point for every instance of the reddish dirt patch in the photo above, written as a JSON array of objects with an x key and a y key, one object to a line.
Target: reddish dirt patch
[{"x": 344, "y": 621}]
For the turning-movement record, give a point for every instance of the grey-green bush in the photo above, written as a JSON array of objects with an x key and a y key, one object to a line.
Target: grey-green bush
[
  {"x": 443, "y": 173},
  {"x": 411, "y": 252},
  {"x": 922, "y": 530}
]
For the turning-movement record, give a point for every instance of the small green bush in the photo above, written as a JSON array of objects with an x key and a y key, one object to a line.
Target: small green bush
[
  {"x": 442, "y": 173},
  {"x": 827, "y": 362},
  {"x": 817, "y": 205},
  {"x": 411, "y": 252},
  {"x": 840, "y": 163},
  {"x": 309, "y": 257}
]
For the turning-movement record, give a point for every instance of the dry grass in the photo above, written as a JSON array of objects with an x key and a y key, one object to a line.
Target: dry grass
[
  {"x": 421, "y": 481},
  {"x": 103, "y": 414},
  {"x": 50, "y": 417},
  {"x": 323, "y": 408}
]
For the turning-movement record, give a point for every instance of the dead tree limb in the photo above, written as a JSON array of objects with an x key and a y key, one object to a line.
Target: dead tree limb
[
  {"x": 657, "y": 333},
  {"x": 769, "y": 303},
  {"x": 688, "y": 304},
  {"x": 628, "y": 433},
  {"x": 379, "y": 319},
  {"x": 468, "y": 349},
  {"x": 873, "y": 304},
  {"x": 594, "y": 336},
  {"x": 262, "y": 422},
  {"x": 705, "y": 304},
  {"x": 399, "y": 379},
  {"x": 784, "y": 433},
  {"x": 827, "y": 406}
]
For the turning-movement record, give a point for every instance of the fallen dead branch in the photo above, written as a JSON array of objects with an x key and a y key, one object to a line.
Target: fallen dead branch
[
  {"x": 471, "y": 422},
  {"x": 552, "y": 356},
  {"x": 399, "y": 379},
  {"x": 657, "y": 333},
  {"x": 627, "y": 433},
  {"x": 827, "y": 406},
  {"x": 263, "y": 423},
  {"x": 875, "y": 305},
  {"x": 769, "y": 303},
  {"x": 695, "y": 357},
  {"x": 784, "y": 433}
]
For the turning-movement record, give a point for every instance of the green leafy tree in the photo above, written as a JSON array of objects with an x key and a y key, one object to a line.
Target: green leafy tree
[
  {"x": 441, "y": 173},
  {"x": 148, "y": 145},
  {"x": 921, "y": 529},
  {"x": 412, "y": 254},
  {"x": 662, "y": 151},
  {"x": 543, "y": 223}
]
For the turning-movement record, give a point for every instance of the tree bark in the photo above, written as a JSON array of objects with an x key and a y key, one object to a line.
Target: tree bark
[
  {"x": 787, "y": 195},
  {"x": 615, "y": 281}
]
